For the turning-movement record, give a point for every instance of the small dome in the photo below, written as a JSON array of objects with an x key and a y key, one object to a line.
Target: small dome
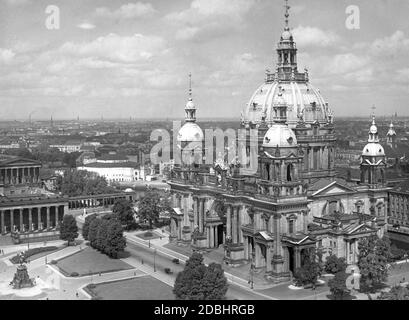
[
  {"x": 373, "y": 150},
  {"x": 373, "y": 129},
  {"x": 128, "y": 190},
  {"x": 190, "y": 132},
  {"x": 279, "y": 135},
  {"x": 286, "y": 35}
]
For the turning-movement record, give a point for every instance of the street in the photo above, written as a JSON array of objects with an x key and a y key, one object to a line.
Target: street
[{"x": 161, "y": 261}]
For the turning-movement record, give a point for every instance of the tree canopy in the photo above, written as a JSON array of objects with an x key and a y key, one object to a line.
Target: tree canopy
[
  {"x": 68, "y": 229},
  {"x": 85, "y": 227},
  {"x": 338, "y": 286},
  {"x": 333, "y": 264},
  {"x": 373, "y": 259},
  {"x": 78, "y": 182},
  {"x": 151, "y": 205},
  {"x": 125, "y": 212},
  {"x": 198, "y": 282}
]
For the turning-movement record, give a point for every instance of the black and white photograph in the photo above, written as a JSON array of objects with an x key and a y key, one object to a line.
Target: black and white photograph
[{"x": 220, "y": 152}]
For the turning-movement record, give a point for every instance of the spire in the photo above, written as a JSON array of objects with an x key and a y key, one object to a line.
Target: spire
[
  {"x": 190, "y": 87},
  {"x": 190, "y": 109},
  {"x": 287, "y": 15},
  {"x": 373, "y": 131}
]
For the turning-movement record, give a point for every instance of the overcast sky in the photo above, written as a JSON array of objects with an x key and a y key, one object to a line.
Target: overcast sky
[{"x": 131, "y": 59}]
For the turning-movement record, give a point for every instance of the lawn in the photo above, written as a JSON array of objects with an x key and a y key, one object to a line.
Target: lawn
[
  {"x": 141, "y": 288},
  {"x": 90, "y": 261},
  {"x": 149, "y": 235}
]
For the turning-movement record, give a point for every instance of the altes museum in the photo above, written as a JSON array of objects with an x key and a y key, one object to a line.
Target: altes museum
[{"x": 294, "y": 202}]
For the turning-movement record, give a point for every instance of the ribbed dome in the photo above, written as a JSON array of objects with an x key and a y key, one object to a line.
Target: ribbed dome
[
  {"x": 297, "y": 95},
  {"x": 190, "y": 132},
  {"x": 373, "y": 150},
  {"x": 279, "y": 135}
]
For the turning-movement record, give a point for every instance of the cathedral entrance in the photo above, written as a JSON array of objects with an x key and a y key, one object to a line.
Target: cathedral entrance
[
  {"x": 291, "y": 259},
  {"x": 220, "y": 235}
]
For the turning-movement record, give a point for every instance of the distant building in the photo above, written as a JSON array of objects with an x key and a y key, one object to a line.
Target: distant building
[
  {"x": 114, "y": 168},
  {"x": 68, "y": 147}
]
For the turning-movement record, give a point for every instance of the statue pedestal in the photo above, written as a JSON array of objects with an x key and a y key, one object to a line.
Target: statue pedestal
[{"x": 21, "y": 278}]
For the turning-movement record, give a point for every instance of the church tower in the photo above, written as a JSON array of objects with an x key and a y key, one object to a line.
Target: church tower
[
  {"x": 373, "y": 160},
  {"x": 391, "y": 136}
]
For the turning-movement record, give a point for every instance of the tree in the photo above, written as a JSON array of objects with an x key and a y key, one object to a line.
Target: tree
[
  {"x": 214, "y": 283},
  {"x": 198, "y": 282},
  {"x": 373, "y": 259},
  {"x": 93, "y": 231},
  {"x": 338, "y": 285},
  {"x": 68, "y": 229},
  {"x": 125, "y": 212},
  {"x": 310, "y": 271},
  {"x": 188, "y": 282},
  {"x": 101, "y": 242},
  {"x": 395, "y": 293},
  {"x": 87, "y": 222},
  {"x": 116, "y": 241},
  {"x": 333, "y": 264},
  {"x": 151, "y": 205},
  {"x": 79, "y": 182}
]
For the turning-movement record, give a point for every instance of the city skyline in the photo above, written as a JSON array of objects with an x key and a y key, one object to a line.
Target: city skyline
[{"x": 131, "y": 59}]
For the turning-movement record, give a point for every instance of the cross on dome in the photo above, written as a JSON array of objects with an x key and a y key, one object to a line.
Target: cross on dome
[{"x": 287, "y": 15}]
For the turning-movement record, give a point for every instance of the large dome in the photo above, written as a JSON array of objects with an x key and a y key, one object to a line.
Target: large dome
[
  {"x": 279, "y": 135},
  {"x": 373, "y": 150},
  {"x": 190, "y": 132},
  {"x": 298, "y": 96}
]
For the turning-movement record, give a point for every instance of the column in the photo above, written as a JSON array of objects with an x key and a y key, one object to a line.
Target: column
[
  {"x": 297, "y": 257},
  {"x": 239, "y": 232},
  {"x": 21, "y": 219},
  {"x": 277, "y": 234},
  {"x": 11, "y": 220},
  {"x": 201, "y": 208},
  {"x": 30, "y": 219},
  {"x": 211, "y": 231},
  {"x": 347, "y": 251},
  {"x": 48, "y": 217},
  {"x": 2, "y": 222},
  {"x": 39, "y": 227},
  {"x": 185, "y": 211},
  {"x": 228, "y": 222},
  {"x": 56, "y": 215},
  {"x": 268, "y": 258},
  {"x": 235, "y": 235},
  {"x": 195, "y": 213},
  {"x": 216, "y": 236}
]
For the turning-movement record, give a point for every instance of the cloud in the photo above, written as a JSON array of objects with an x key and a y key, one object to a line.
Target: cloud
[
  {"x": 345, "y": 63},
  {"x": 6, "y": 55},
  {"x": 118, "y": 48},
  {"x": 17, "y": 2},
  {"x": 86, "y": 26},
  {"x": 312, "y": 36},
  {"x": 127, "y": 11},
  {"x": 209, "y": 18},
  {"x": 395, "y": 43}
]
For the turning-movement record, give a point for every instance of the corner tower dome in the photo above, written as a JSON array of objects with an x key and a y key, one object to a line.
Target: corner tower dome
[
  {"x": 304, "y": 101},
  {"x": 373, "y": 148},
  {"x": 190, "y": 131}
]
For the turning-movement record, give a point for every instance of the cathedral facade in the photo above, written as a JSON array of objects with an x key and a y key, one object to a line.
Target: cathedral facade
[{"x": 294, "y": 202}]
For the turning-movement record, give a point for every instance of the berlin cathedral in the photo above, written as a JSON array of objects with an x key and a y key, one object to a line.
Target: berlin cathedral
[{"x": 294, "y": 202}]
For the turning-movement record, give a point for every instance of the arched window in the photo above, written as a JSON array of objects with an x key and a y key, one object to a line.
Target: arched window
[
  {"x": 290, "y": 172},
  {"x": 268, "y": 171}
]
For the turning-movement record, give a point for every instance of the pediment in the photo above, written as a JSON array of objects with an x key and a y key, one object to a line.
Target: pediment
[
  {"x": 333, "y": 188},
  {"x": 17, "y": 162}
]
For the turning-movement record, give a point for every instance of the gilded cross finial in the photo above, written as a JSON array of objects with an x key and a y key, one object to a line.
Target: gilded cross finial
[{"x": 190, "y": 86}]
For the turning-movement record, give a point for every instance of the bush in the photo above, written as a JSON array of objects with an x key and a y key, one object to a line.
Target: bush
[
  {"x": 32, "y": 252},
  {"x": 333, "y": 264},
  {"x": 53, "y": 262},
  {"x": 176, "y": 261},
  {"x": 397, "y": 254},
  {"x": 92, "y": 286},
  {"x": 74, "y": 274},
  {"x": 168, "y": 271}
]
